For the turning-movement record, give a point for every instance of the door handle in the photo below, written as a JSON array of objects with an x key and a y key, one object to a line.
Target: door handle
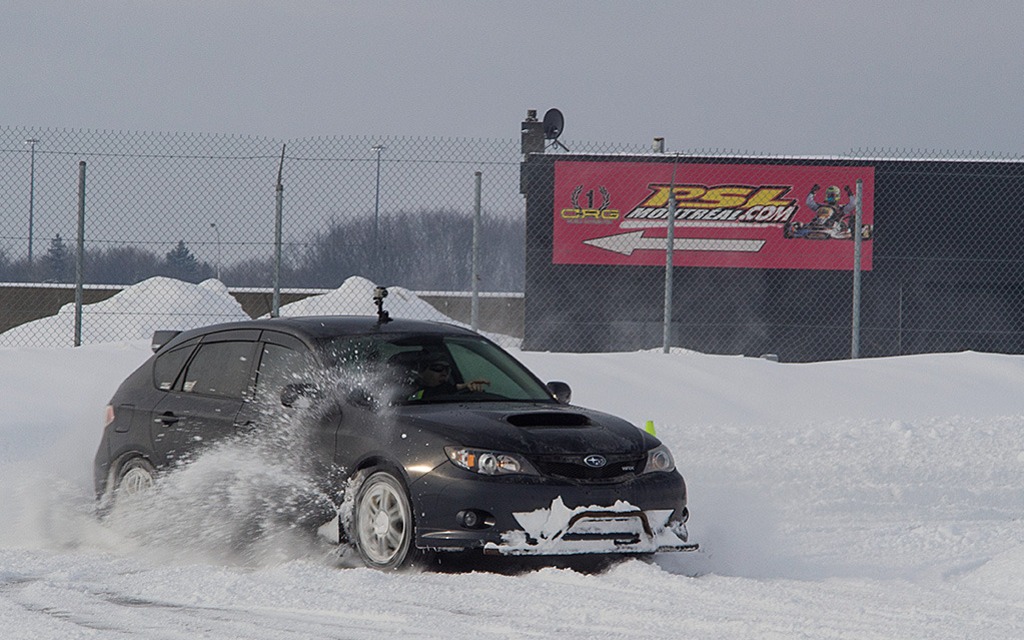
[{"x": 168, "y": 418}]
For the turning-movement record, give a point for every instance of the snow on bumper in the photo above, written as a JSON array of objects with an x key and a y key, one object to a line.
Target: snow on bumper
[{"x": 621, "y": 528}]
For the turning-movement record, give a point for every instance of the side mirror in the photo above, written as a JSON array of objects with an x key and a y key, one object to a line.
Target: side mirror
[
  {"x": 299, "y": 395},
  {"x": 561, "y": 391}
]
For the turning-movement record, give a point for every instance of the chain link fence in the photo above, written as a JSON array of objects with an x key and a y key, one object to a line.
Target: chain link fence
[
  {"x": 180, "y": 230},
  {"x": 194, "y": 207}
]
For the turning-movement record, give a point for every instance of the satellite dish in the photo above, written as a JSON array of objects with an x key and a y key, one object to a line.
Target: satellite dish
[{"x": 553, "y": 125}]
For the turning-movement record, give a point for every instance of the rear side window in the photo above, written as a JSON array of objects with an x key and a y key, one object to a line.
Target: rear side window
[
  {"x": 219, "y": 369},
  {"x": 168, "y": 366}
]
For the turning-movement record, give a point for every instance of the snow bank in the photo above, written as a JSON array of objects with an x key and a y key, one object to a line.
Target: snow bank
[
  {"x": 164, "y": 303},
  {"x": 134, "y": 314},
  {"x": 355, "y": 297}
]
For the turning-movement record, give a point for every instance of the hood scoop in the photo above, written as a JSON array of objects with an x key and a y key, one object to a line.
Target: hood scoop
[{"x": 541, "y": 419}]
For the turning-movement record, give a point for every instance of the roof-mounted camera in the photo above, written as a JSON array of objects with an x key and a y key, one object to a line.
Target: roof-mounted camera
[{"x": 378, "y": 299}]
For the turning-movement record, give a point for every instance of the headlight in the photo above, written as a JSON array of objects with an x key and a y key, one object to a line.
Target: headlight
[
  {"x": 659, "y": 459},
  {"x": 489, "y": 463}
]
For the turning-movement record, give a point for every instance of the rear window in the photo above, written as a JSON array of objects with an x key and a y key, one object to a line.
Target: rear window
[{"x": 168, "y": 365}]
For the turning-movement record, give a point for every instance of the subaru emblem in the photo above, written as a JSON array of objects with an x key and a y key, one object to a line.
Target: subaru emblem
[{"x": 595, "y": 461}]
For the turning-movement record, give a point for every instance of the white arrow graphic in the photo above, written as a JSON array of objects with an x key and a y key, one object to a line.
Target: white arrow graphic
[{"x": 627, "y": 243}]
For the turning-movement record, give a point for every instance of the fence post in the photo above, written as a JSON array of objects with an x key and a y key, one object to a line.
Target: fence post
[
  {"x": 275, "y": 306},
  {"x": 80, "y": 254},
  {"x": 855, "y": 330},
  {"x": 474, "y": 305},
  {"x": 670, "y": 248}
]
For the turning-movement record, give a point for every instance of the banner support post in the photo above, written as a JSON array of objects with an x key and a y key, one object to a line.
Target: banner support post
[
  {"x": 670, "y": 247},
  {"x": 857, "y": 235}
]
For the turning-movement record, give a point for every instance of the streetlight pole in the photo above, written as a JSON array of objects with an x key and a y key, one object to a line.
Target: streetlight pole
[
  {"x": 376, "y": 215},
  {"x": 216, "y": 231},
  {"x": 31, "y": 192}
]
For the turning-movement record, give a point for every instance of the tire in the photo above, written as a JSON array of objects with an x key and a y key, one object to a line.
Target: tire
[
  {"x": 383, "y": 523},
  {"x": 135, "y": 477}
]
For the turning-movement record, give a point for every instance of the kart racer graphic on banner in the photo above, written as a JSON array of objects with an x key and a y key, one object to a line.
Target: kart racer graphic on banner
[{"x": 832, "y": 221}]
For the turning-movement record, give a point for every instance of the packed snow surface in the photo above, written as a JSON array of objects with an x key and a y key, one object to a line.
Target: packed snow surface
[{"x": 858, "y": 499}]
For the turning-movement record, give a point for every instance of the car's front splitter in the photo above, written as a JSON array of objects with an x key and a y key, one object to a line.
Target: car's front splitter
[{"x": 620, "y": 528}]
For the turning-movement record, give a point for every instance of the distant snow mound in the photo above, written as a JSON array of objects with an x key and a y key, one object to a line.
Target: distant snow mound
[
  {"x": 133, "y": 314},
  {"x": 355, "y": 298},
  {"x": 1000, "y": 574}
]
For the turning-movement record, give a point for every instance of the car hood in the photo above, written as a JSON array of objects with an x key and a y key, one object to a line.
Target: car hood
[{"x": 527, "y": 428}]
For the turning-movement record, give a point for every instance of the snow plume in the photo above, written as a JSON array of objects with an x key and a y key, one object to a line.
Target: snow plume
[
  {"x": 232, "y": 504},
  {"x": 247, "y": 500},
  {"x": 260, "y": 498},
  {"x": 256, "y": 498}
]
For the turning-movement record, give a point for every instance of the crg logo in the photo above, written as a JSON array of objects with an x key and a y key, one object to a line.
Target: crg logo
[{"x": 595, "y": 461}]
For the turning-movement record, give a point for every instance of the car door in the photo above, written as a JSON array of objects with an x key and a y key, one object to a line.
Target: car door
[
  {"x": 289, "y": 382},
  {"x": 205, "y": 399}
]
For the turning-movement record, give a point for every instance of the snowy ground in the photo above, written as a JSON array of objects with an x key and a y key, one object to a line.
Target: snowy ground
[{"x": 869, "y": 499}]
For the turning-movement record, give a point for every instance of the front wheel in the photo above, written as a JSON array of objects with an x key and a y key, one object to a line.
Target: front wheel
[{"x": 384, "y": 523}]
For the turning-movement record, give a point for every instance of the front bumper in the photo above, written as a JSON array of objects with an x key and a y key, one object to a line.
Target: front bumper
[
  {"x": 527, "y": 515},
  {"x": 622, "y": 528}
]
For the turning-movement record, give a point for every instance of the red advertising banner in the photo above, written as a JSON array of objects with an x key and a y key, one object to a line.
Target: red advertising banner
[{"x": 727, "y": 215}]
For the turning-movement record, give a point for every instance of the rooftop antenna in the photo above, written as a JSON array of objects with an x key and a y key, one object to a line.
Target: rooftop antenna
[
  {"x": 553, "y": 124},
  {"x": 379, "y": 294}
]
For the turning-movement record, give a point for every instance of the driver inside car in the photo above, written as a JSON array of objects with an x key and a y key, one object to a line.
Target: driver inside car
[{"x": 435, "y": 377}]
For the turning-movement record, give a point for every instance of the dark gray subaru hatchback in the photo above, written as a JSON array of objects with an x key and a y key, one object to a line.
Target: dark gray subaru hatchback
[{"x": 430, "y": 436}]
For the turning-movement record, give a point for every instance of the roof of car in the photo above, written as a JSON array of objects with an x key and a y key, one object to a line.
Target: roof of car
[
  {"x": 327, "y": 326},
  {"x": 317, "y": 327}
]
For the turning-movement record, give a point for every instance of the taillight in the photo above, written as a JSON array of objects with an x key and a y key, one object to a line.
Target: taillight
[{"x": 110, "y": 414}]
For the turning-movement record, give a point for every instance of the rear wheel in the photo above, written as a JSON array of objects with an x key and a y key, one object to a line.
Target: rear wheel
[
  {"x": 383, "y": 532},
  {"x": 136, "y": 476}
]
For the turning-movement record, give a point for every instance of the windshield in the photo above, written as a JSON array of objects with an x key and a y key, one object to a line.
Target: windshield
[{"x": 412, "y": 369}]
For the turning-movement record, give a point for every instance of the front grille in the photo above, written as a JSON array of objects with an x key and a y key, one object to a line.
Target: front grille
[{"x": 571, "y": 467}]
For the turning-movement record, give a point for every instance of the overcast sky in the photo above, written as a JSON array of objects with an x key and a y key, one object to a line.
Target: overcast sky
[{"x": 788, "y": 77}]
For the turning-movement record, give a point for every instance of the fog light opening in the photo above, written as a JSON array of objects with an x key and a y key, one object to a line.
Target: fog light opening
[{"x": 474, "y": 519}]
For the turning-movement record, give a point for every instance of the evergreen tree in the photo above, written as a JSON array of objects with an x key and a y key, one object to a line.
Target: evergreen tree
[
  {"x": 181, "y": 263},
  {"x": 121, "y": 265},
  {"x": 57, "y": 262}
]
